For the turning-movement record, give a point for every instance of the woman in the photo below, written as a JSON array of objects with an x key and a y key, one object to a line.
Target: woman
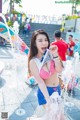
[{"x": 46, "y": 75}]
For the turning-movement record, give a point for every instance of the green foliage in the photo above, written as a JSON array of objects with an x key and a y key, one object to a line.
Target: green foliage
[
  {"x": 74, "y": 3},
  {"x": 21, "y": 27},
  {"x": 77, "y": 2},
  {"x": 17, "y": 1},
  {"x": 12, "y": 2},
  {"x": 15, "y": 12},
  {"x": 10, "y": 23},
  {"x": 72, "y": 17},
  {"x": 62, "y": 29},
  {"x": 20, "y": 6}
]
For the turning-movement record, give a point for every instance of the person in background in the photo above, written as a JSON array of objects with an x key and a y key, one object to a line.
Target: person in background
[
  {"x": 71, "y": 45},
  {"x": 27, "y": 28},
  {"x": 61, "y": 44},
  {"x": 62, "y": 51},
  {"x": 77, "y": 46},
  {"x": 46, "y": 77}
]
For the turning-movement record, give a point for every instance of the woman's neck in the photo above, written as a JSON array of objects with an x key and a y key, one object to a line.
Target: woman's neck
[{"x": 39, "y": 55}]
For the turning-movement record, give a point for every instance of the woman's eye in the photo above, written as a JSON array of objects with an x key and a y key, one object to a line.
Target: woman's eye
[{"x": 40, "y": 40}]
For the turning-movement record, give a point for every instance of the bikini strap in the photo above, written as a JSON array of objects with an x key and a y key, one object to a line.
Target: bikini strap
[
  {"x": 38, "y": 63},
  {"x": 45, "y": 58}
]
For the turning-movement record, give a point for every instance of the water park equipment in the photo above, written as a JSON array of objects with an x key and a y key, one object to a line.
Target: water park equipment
[
  {"x": 12, "y": 37},
  {"x": 31, "y": 81},
  {"x": 17, "y": 44}
]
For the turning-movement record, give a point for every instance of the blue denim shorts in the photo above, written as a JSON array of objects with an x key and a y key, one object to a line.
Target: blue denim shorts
[{"x": 41, "y": 98}]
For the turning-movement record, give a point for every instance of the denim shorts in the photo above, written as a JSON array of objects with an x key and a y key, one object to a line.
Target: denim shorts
[{"x": 41, "y": 98}]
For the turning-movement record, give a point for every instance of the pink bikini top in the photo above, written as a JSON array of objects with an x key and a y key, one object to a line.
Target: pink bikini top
[{"x": 44, "y": 74}]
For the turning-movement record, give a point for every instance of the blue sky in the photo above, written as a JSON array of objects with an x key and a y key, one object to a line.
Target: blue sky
[{"x": 43, "y": 7}]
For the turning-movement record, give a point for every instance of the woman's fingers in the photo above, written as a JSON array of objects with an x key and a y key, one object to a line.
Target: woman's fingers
[{"x": 53, "y": 47}]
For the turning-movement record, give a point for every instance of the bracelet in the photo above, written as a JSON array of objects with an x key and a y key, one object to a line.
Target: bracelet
[{"x": 55, "y": 57}]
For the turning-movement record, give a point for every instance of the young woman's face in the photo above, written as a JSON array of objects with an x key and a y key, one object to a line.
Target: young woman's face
[{"x": 41, "y": 43}]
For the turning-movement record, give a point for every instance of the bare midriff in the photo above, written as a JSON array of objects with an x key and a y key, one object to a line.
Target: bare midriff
[{"x": 53, "y": 81}]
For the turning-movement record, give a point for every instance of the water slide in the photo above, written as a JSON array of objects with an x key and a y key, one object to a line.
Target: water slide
[
  {"x": 11, "y": 36},
  {"x": 13, "y": 39}
]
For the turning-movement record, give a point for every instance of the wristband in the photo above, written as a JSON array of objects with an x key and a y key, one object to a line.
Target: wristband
[{"x": 55, "y": 57}]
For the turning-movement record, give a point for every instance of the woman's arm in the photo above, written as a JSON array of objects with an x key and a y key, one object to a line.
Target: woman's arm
[
  {"x": 58, "y": 64},
  {"x": 56, "y": 58},
  {"x": 41, "y": 83}
]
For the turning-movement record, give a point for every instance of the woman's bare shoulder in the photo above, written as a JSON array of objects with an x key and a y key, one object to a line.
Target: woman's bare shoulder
[
  {"x": 32, "y": 62},
  {"x": 33, "y": 66}
]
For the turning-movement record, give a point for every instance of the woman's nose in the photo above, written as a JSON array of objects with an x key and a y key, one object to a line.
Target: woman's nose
[{"x": 44, "y": 42}]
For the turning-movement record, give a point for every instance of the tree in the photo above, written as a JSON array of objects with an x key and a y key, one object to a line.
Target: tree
[
  {"x": 75, "y": 3},
  {"x": 12, "y": 4}
]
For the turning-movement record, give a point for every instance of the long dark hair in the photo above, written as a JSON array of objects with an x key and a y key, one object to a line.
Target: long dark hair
[{"x": 33, "y": 49}]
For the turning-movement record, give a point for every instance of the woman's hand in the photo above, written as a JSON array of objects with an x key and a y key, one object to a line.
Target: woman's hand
[
  {"x": 48, "y": 104},
  {"x": 54, "y": 50}
]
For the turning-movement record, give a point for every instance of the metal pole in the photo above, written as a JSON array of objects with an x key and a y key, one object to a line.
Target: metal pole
[{"x": 75, "y": 25}]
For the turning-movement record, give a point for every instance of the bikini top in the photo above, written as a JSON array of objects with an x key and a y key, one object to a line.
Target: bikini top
[{"x": 43, "y": 73}]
